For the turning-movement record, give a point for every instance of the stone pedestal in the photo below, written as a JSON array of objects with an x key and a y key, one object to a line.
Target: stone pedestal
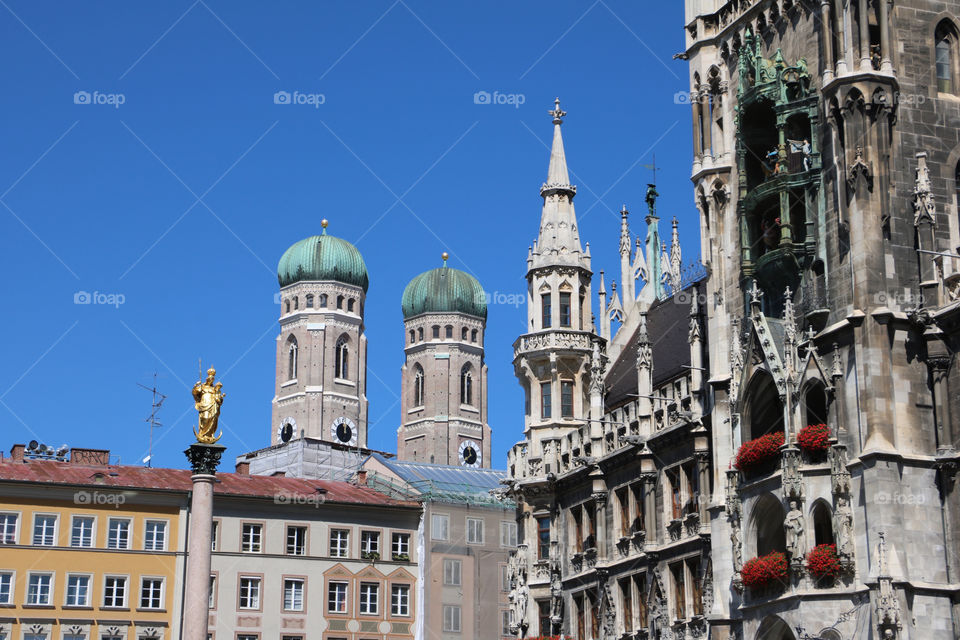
[{"x": 204, "y": 459}]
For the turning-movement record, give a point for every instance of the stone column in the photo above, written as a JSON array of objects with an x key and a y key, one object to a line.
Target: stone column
[
  {"x": 703, "y": 486},
  {"x": 828, "y": 61},
  {"x": 649, "y": 480},
  {"x": 864, "y": 37},
  {"x": 939, "y": 368},
  {"x": 204, "y": 459},
  {"x": 885, "y": 63},
  {"x": 706, "y": 122},
  {"x": 837, "y": 24},
  {"x": 697, "y": 148}
]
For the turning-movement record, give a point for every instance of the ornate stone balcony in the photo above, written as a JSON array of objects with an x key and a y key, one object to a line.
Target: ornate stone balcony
[{"x": 555, "y": 339}]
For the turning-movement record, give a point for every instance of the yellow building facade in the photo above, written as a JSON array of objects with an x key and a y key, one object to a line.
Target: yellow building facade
[{"x": 89, "y": 553}]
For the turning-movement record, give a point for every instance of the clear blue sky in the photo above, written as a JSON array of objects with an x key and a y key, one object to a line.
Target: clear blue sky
[{"x": 182, "y": 198}]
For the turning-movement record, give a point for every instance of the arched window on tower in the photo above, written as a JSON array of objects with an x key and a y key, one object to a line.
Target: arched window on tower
[
  {"x": 339, "y": 302},
  {"x": 766, "y": 521},
  {"x": 815, "y": 403},
  {"x": 350, "y": 305},
  {"x": 417, "y": 385},
  {"x": 436, "y": 332},
  {"x": 413, "y": 336},
  {"x": 296, "y": 302},
  {"x": 448, "y": 332},
  {"x": 473, "y": 335},
  {"x": 287, "y": 306},
  {"x": 945, "y": 47},
  {"x": 420, "y": 334},
  {"x": 323, "y": 300},
  {"x": 466, "y": 385},
  {"x": 822, "y": 523},
  {"x": 341, "y": 369},
  {"x": 309, "y": 301},
  {"x": 292, "y": 355},
  {"x": 463, "y": 333}
]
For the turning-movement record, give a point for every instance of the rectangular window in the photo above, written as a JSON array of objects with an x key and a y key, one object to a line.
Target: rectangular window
[
  {"x": 401, "y": 546},
  {"x": 369, "y": 598},
  {"x": 640, "y": 582},
  {"x": 693, "y": 566},
  {"x": 638, "y": 523},
  {"x": 296, "y": 541},
  {"x": 581, "y": 616},
  {"x": 369, "y": 544},
  {"x": 44, "y": 530},
  {"x": 689, "y": 488},
  {"x": 546, "y": 401},
  {"x": 251, "y": 537},
  {"x": 337, "y": 597},
  {"x": 679, "y": 592},
  {"x": 249, "y": 592},
  {"x": 151, "y": 593},
  {"x": 543, "y": 614},
  {"x": 576, "y": 516},
  {"x": 118, "y": 533},
  {"x": 566, "y": 399},
  {"x": 474, "y": 530},
  {"x": 564, "y": 309},
  {"x": 115, "y": 591},
  {"x": 39, "y": 588},
  {"x": 214, "y": 535},
  {"x": 339, "y": 543},
  {"x": 6, "y": 588},
  {"x": 81, "y": 531},
  {"x": 78, "y": 591},
  {"x": 240, "y": 636},
  {"x": 676, "y": 496},
  {"x": 8, "y": 528},
  {"x": 590, "y": 514},
  {"x": 508, "y": 534},
  {"x": 623, "y": 501},
  {"x": 212, "y": 603},
  {"x": 451, "y": 618},
  {"x": 543, "y": 538},
  {"x": 439, "y": 526},
  {"x": 546, "y": 319},
  {"x": 293, "y": 594},
  {"x": 451, "y": 572},
  {"x": 505, "y": 624},
  {"x": 626, "y": 603},
  {"x": 155, "y": 535},
  {"x": 504, "y": 578},
  {"x": 400, "y": 600}
]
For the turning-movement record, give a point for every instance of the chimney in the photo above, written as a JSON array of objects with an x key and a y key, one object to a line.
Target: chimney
[
  {"x": 16, "y": 452},
  {"x": 362, "y": 478},
  {"x": 90, "y": 457},
  {"x": 243, "y": 468}
]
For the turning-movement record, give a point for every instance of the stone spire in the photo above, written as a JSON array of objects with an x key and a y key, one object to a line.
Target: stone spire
[
  {"x": 559, "y": 240},
  {"x": 626, "y": 268}
]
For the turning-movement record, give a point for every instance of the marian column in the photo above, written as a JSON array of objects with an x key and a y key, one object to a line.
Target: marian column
[{"x": 204, "y": 456}]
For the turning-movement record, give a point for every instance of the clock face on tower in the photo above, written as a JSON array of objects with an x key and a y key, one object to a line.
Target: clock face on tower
[
  {"x": 286, "y": 430},
  {"x": 470, "y": 454},
  {"x": 344, "y": 431}
]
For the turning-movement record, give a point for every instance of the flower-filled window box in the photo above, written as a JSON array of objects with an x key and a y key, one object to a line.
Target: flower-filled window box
[
  {"x": 814, "y": 439},
  {"x": 401, "y": 557},
  {"x": 370, "y": 555},
  {"x": 755, "y": 454},
  {"x": 823, "y": 562},
  {"x": 765, "y": 571}
]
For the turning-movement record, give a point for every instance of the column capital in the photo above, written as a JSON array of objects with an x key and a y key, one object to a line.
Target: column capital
[{"x": 204, "y": 458}]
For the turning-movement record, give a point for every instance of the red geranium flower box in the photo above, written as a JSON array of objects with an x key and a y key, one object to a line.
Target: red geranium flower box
[
  {"x": 753, "y": 453},
  {"x": 822, "y": 561},
  {"x": 814, "y": 438},
  {"x": 765, "y": 570}
]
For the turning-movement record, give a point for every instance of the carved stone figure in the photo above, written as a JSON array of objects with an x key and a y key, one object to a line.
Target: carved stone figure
[
  {"x": 737, "y": 547},
  {"x": 792, "y": 481},
  {"x": 843, "y": 528},
  {"x": 839, "y": 473},
  {"x": 794, "y": 526}
]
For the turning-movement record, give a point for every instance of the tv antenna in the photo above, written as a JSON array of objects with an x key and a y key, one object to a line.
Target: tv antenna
[{"x": 153, "y": 420}]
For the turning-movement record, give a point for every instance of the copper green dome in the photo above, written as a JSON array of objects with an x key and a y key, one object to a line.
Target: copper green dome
[
  {"x": 323, "y": 257},
  {"x": 444, "y": 290}
]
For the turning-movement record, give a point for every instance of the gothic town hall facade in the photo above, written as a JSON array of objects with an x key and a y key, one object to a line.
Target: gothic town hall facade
[{"x": 765, "y": 449}]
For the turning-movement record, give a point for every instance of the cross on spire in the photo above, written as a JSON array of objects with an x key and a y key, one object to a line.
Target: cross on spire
[{"x": 557, "y": 112}]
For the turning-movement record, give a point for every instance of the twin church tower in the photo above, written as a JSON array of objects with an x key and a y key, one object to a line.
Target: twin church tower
[{"x": 321, "y": 376}]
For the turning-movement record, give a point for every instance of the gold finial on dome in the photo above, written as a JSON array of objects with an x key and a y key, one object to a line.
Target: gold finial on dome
[
  {"x": 445, "y": 256},
  {"x": 324, "y": 223}
]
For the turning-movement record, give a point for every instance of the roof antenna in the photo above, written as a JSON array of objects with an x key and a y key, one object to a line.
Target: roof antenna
[{"x": 153, "y": 419}]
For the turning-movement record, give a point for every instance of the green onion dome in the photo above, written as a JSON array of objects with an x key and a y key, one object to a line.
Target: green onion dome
[
  {"x": 444, "y": 290},
  {"x": 323, "y": 257}
]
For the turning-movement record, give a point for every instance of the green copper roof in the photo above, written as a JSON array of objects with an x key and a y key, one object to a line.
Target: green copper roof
[
  {"x": 323, "y": 258},
  {"x": 444, "y": 290}
]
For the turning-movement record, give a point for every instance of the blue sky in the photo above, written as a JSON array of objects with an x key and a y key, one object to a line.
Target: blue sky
[{"x": 144, "y": 158}]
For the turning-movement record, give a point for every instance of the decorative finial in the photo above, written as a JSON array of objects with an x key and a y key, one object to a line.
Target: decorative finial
[
  {"x": 557, "y": 112},
  {"x": 445, "y": 256},
  {"x": 324, "y": 223}
]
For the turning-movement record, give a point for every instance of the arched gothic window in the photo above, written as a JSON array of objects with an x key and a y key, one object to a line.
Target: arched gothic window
[
  {"x": 339, "y": 302},
  {"x": 288, "y": 306},
  {"x": 420, "y": 333},
  {"x": 296, "y": 302},
  {"x": 350, "y": 305},
  {"x": 448, "y": 332},
  {"x": 309, "y": 301},
  {"x": 463, "y": 333},
  {"x": 413, "y": 336},
  {"x": 417, "y": 385},
  {"x": 341, "y": 369},
  {"x": 945, "y": 47},
  {"x": 466, "y": 385},
  {"x": 473, "y": 335},
  {"x": 822, "y": 523},
  {"x": 323, "y": 300},
  {"x": 292, "y": 355}
]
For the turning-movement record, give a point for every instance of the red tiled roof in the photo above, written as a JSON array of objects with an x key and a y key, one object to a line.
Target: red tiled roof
[{"x": 178, "y": 480}]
